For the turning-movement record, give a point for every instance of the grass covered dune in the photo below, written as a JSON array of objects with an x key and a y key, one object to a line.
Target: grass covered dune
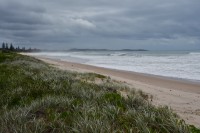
[{"x": 35, "y": 97}]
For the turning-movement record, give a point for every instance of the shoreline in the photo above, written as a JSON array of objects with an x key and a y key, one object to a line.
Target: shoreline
[
  {"x": 186, "y": 85},
  {"x": 182, "y": 96}
]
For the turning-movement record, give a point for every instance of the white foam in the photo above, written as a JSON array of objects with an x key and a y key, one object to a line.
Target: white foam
[
  {"x": 194, "y": 53},
  {"x": 185, "y": 65}
]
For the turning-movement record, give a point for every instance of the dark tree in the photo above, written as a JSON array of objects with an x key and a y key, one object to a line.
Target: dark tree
[
  {"x": 6, "y": 46},
  {"x": 18, "y": 48},
  {"x": 23, "y": 49},
  {"x": 3, "y": 45},
  {"x": 12, "y": 47}
]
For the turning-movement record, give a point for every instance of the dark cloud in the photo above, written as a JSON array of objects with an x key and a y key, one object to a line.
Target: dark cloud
[{"x": 172, "y": 24}]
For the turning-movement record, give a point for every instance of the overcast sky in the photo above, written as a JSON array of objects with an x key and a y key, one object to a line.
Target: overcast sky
[{"x": 112, "y": 24}]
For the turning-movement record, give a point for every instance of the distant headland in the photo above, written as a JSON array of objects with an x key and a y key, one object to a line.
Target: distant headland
[{"x": 76, "y": 49}]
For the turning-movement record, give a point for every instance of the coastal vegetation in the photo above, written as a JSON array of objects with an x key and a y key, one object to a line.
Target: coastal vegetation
[
  {"x": 6, "y": 47},
  {"x": 36, "y": 97}
]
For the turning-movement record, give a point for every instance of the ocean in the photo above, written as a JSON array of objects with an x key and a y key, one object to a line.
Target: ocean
[{"x": 176, "y": 64}]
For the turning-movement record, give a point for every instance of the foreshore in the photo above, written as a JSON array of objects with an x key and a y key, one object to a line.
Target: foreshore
[{"x": 181, "y": 95}]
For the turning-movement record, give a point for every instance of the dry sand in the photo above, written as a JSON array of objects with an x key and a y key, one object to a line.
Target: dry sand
[{"x": 181, "y": 95}]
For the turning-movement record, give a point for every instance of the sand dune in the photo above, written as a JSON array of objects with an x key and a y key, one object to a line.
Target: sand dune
[{"x": 181, "y": 95}]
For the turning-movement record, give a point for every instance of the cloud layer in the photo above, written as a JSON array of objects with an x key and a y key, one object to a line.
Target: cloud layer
[{"x": 114, "y": 24}]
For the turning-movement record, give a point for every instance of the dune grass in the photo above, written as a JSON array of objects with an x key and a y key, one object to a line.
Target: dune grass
[{"x": 38, "y": 98}]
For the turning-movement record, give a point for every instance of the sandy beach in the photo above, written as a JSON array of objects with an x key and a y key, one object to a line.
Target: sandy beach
[{"x": 182, "y": 96}]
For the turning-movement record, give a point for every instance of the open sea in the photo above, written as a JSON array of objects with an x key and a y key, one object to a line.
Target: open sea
[{"x": 176, "y": 64}]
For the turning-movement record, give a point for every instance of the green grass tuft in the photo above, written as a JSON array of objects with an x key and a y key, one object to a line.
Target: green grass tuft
[{"x": 38, "y": 98}]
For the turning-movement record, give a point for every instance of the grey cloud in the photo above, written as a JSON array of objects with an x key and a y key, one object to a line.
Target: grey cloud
[
  {"x": 101, "y": 23},
  {"x": 13, "y": 12}
]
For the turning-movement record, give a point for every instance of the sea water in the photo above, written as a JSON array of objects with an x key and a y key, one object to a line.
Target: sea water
[{"x": 177, "y": 64}]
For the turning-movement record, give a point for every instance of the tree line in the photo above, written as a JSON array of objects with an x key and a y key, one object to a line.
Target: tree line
[{"x": 10, "y": 47}]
